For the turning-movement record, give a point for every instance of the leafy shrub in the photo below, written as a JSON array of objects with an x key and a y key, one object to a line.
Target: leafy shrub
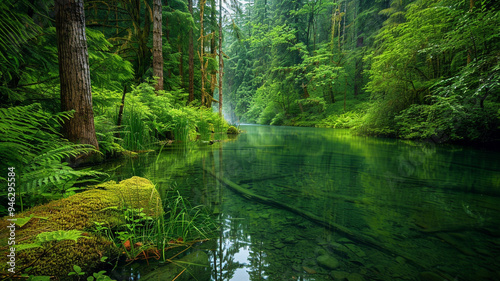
[
  {"x": 346, "y": 120},
  {"x": 446, "y": 119},
  {"x": 232, "y": 130},
  {"x": 30, "y": 142},
  {"x": 279, "y": 119}
]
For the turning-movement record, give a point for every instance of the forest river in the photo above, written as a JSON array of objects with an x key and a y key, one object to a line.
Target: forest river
[{"x": 332, "y": 206}]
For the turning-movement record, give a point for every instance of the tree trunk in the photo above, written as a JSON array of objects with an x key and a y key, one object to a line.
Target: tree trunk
[
  {"x": 157, "y": 44},
  {"x": 221, "y": 62},
  {"x": 120, "y": 112},
  {"x": 202, "y": 52},
  {"x": 74, "y": 72},
  {"x": 181, "y": 63},
  {"x": 191, "y": 56}
]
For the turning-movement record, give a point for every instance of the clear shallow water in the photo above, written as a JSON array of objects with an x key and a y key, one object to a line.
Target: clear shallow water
[{"x": 375, "y": 209}]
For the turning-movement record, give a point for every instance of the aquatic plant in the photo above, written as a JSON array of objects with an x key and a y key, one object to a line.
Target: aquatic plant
[{"x": 144, "y": 237}]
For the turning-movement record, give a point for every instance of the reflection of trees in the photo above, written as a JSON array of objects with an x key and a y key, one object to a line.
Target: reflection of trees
[
  {"x": 231, "y": 239},
  {"x": 257, "y": 261}
]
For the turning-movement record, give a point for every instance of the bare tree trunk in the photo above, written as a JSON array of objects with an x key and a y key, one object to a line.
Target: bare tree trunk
[
  {"x": 221, "y": 62},
  {"x": 202, "y": 52},
  {"x": 120, "y": 112},
  {"x": 74, "y": 72},
  {"x": 191, "y": 57},
  {"x": 157, "y": 44},
  {"x": 181, "y": 63}
]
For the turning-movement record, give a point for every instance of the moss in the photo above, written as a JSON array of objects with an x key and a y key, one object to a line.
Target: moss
[
  {"x": 232, "y": 130},
  {"x": 101, "y": 203}
]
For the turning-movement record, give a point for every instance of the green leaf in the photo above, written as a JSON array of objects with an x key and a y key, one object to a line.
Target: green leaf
[
  {"x": 60, "y": 235},
  {"x": 77, "y": 269},
  {"x": 21, "y": 247}
]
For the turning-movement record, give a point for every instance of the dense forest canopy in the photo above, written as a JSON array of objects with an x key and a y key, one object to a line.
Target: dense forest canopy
[
  {"x": 413, "y": 69},
  {"x": 149, "y": 71},
  {"x": 100, "y": 78}
]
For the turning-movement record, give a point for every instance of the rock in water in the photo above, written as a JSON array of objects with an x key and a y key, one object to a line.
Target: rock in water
[
  {"x": 355, "y": 277},
  {"x": 327, "y": 261},
  {"x": 430, "y": 276},
  {"x": 197, "y": 267},
  {"x": 339, "y": 275}
]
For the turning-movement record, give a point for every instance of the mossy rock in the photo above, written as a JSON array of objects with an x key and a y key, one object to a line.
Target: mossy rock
[
  {"x": 102, "y": 203},
  {"x": 232, "y": 130}
]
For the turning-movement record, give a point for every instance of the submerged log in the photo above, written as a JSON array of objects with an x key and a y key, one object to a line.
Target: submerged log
[{"x": 352, "y": 235}]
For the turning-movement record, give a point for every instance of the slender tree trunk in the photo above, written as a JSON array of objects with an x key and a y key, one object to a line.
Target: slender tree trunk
[
  {"x": 120, "y": 112},
  {"x": 221, "y": 62},
  {"x": 191, "y": 57},
  {"x": 202, "y": 51},
  {"x": 157, "y": 44},
  {"x": 74, "y": 72},
  {"x": 142, "y": 34},
  {"x": 181, "y": 63}
]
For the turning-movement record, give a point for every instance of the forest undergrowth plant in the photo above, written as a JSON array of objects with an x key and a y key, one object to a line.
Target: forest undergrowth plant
[
  {"x": 30, "y": 142},
  {"x": 145, "y": 237},
  {"x": 107, "y": 132},
  {"x": 204, "y": 130},
  {"x": 180, "y": 125},
  {"x": 137, "y": 133}
]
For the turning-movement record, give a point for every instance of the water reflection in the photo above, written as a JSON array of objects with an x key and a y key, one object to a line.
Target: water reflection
[{"x": 381, "y": 209}]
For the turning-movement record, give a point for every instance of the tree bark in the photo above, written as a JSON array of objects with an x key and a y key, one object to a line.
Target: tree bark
[
  {"x": 120, "y": 112},
  {"x": 157, "y": 44},
  {"x": 191, "y": 56},
  {"x": 202, "y": 52},
  {"x": 74, "y": 72},
  {"x": 221, "y": 62}
]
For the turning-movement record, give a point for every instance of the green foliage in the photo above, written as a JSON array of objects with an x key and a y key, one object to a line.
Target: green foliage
[
  {"x": 423, "y": 91},
  {"x": 232, "y": 130},
  {"x": 181, "y": 223},
  {"x": 108, "y": 69},
  {"x": 97, "y": 276},
  {"x": 76, "y": 271},
  {"x": 204, "y": 129},
  {"x": 30, "y": 142},
  {"x": 268, "y": 114},
  {"x": 22, "y": 221},
  {"x": 149, "y": 116},
  {"x": 278, "y": 119},
  {"x": 45, "y": 237},
  {"x": 464, "y": 107},
  {"x": 350, "y": 119},
  {"x": 16, "y": 29}
]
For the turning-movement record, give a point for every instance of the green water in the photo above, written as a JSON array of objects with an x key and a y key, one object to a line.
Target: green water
[{"x": 376, "y": 209}]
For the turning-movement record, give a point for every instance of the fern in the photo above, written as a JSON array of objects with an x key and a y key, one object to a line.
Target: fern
[
  {"x": 58, "y": 235},
  {"x": 30, "y": 142}
]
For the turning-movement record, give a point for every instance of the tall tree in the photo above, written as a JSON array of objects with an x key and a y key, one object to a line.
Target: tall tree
[
  {"x": 74, "y": 71},
  {"x": 191, "y": 56},
  {"x": 221, "y": 66},
  {"x": 202, "y": 52},
  {"x": 157, "y": 44}
]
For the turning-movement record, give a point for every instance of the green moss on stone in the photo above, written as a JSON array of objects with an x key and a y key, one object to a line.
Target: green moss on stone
[
  {"x": 102, "y": 203},
  {"x": 232, "y": 130}
]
